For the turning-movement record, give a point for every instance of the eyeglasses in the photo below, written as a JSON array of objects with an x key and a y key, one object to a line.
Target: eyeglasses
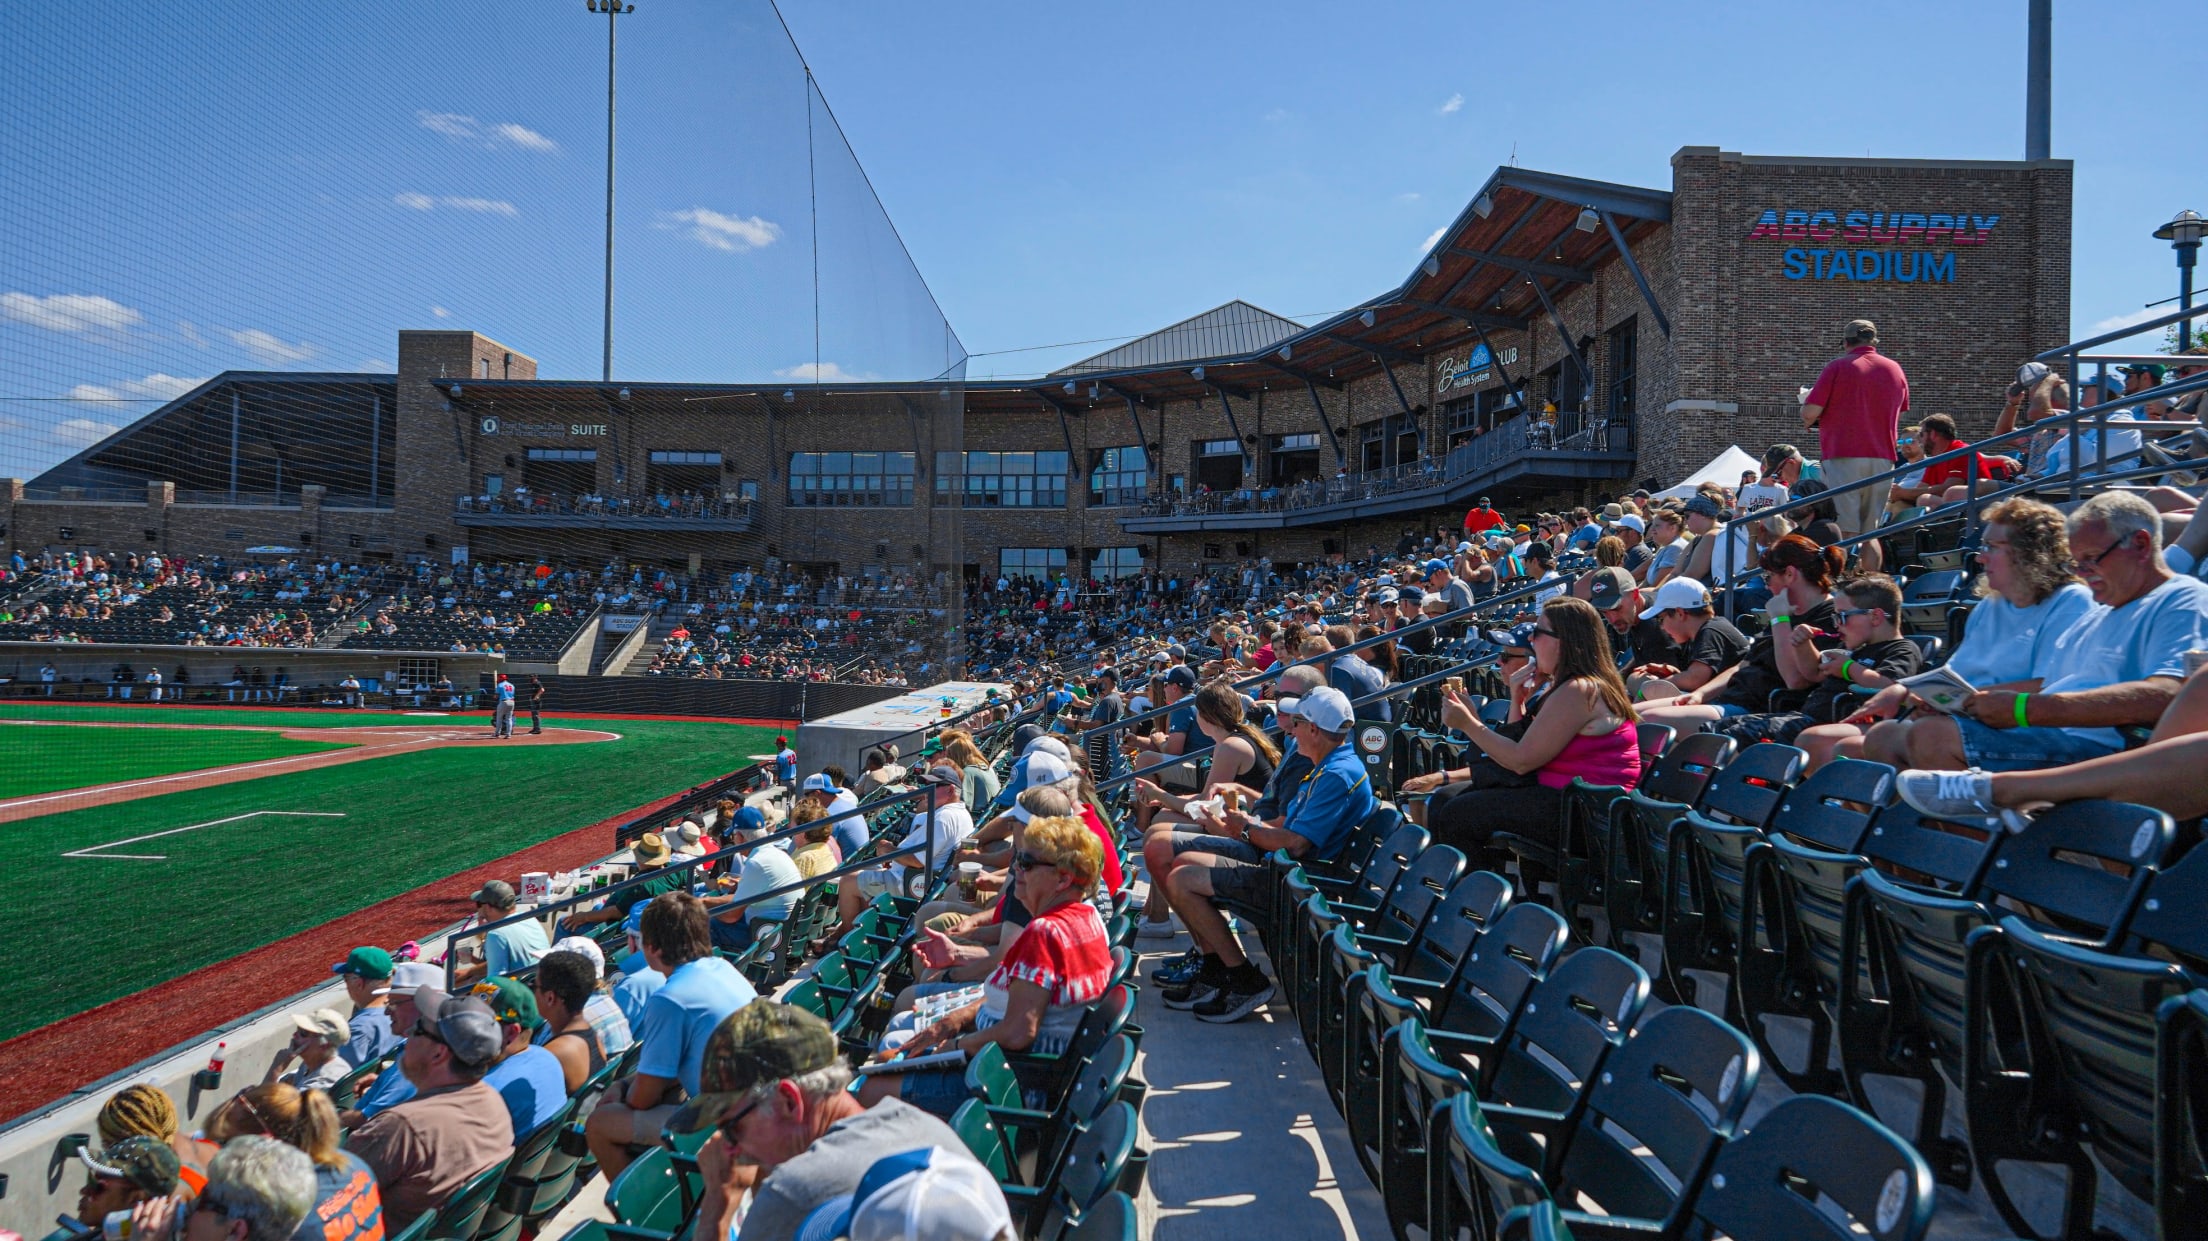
[
  {"x": 729, "y": 1124},
  {"x": 2094, "y": 562},
  {"x": 1028, "y": 861},
  {"x": 1845, "y": 615}
]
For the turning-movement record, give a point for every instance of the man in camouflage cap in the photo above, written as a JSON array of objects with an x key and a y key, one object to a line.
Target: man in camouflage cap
[
  {"x": 775, "y": 1085},
  {"x": 124, "y": 1175}
]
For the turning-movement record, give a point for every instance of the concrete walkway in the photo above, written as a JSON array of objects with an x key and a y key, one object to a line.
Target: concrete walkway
[{"x": 1244, "y": 1141}]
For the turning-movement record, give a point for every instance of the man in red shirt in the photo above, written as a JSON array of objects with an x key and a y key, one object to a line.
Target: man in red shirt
[
  {"x": 1856, "y": 409},
  {"x": 1938, "y": 433},
  {"x": 1481, "y": 518}
]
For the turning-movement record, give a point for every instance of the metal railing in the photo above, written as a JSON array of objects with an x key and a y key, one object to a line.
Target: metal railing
[{"x": 560, "y": 504}]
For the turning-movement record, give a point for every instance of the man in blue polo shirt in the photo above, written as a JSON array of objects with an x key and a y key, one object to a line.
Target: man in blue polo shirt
[{"x": 1332, "y": 800}]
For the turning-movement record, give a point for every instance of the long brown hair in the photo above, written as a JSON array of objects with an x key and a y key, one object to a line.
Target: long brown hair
[
  {"x": 1583, "y": 652},
  {"x": 958, "y": 745},
  {"x": 1381, "y": 656},
  {"x": 1218, "y": 702},
  {"x": 1800, "y": 552},
  {"x": 302, "y": 1118}
]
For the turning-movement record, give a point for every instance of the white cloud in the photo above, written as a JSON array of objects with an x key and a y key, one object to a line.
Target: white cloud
[
  {"x": 2128, "y": 318},
  {"x": 440, "y": 312},
  {"x": 155, "y": 387},
  {"x": 488, "y": 206},
  {"x": 734, "y": 233},
  {"x": 1408, "y": 196},
  {"x": 1452, "y": 103},
  {"x": 68, "y": 312},
  {"x": 270, "y": 349},
  {"x": 1431, "y": 238},
  {"x": 821, "y": 372},
  {"x": 81, "y": 432},
  {"x": 461, "y": 127},
  {"x": 413, "y": 201},
  {"x": 524, "y": 137}
]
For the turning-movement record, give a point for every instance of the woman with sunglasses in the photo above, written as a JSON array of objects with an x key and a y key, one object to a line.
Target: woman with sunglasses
[
  {"x": 346, "y": 1202},
  {"x": 1580, "y": 726},
  {"x": 1804, "y": 623},
  {"x": 1035, "y": 998}
]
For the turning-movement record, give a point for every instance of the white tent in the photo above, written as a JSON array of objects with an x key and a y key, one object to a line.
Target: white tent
[{"x": 1725, "y": 471}]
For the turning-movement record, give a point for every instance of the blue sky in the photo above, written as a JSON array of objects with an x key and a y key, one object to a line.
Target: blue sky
[{"x": 195, "y": 188}]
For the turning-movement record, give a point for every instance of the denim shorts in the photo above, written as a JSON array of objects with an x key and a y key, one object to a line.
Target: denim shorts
[
  {"x": 2024, "y": 749},
  {"x": 937, "y": 1091}
]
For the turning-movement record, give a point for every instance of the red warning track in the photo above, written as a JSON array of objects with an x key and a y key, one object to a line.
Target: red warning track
[{"x": 40, "y": 1065}]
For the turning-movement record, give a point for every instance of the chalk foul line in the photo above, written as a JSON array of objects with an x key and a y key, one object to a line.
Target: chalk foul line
[{"x": 96, "y": 853}]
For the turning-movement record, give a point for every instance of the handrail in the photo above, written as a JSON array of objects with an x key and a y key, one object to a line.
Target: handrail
[{"x": 2122, "y": 333}]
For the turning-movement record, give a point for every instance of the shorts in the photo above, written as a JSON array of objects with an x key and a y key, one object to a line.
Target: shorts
[
  {"x": 876, "y": 880},
  {"x": 736, "y": 936},
  {"x": 1861, "y": 509},
  {"x": 1239, "y": 877},
  {"x": 2024, "y": 749},
  {"x": 1781, "y": 727},
  {"x": 627, "y": 1125},
  {"x": 939, "y": 1092}
]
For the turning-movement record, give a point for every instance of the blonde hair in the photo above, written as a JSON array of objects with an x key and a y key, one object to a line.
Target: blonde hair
[
  {"x": 143, "y": 1110},
  {"x": 958, "y": 746},
  {"x": 306, "y": 1119},
  {"x": 1066, "y": 843},
  {"x": 809, "y": 812}
]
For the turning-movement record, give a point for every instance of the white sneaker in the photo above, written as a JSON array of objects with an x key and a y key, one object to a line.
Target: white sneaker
[
  {"x": 1160, "y": 930},
  {"x": 1948, "y": 794}
]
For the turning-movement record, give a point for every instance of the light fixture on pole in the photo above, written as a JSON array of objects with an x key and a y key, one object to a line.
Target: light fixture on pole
[
  {"x": 613, "y": 9},
  {"x": 1368, "y": 318},
  {"x": 2184, "y": 234},
  {"x": 1589, "y": 220},
  {"x": 1483, "y": 206}
]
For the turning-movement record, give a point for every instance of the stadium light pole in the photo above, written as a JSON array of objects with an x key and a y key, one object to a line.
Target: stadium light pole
[
  {"x": 2184, "y": 234},
  {"x": 613, "y": 9}
]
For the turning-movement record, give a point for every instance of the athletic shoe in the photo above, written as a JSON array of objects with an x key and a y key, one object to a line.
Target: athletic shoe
[
  {"x": 1167, "y": 929},
  {"x": 1196, "y": 991},
  {"x": 1179, "y": 971},
  {"x": 1235, "y": 1001},
  {"x": 1948, "y": 794}
]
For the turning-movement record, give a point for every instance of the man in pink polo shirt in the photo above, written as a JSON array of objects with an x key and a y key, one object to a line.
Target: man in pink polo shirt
[{"x": 1856, "y": 409}]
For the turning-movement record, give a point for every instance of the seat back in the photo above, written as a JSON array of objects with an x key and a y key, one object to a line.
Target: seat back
[
  {"x": 1685, "y": 768},
  {"x": 2083, "y": 864},
  {"x": 1655, "y": 1116},
  {"x": 1091, "y": 1167},
  {"x": 1110, "y": 1218},
  {"x": 1492, "y": 983},
  {"x": 2169, "y": 913},
  {"x": 1654, "y": 740},
  {"x": 1481, "y": 1184},
  {"x": 1418, "y": 891},
  {"x": 648, "y": 1193},
  {"x": 1831, "y": 808},
  {"x": 1395, "y": 855},
  {"x": 973, "y": 1126},
  {"x": 1807, "y": 1156},
  {"x": 463, "y": 1211},
  {"x": 1927, "y": 853},
  {"x": 2181, "y": 1121},
  {"x": 1750, "y": 786},
  {"x": 1470, "y": 909},
  {"x": 1569, "y": 1023},
  {"x": 989, "y": 1077}
]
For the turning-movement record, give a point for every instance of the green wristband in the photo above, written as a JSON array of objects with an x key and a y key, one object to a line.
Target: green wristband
[
  {"x": 2020, "y": 721},
  {"x": 1782, "y": 620},
  {"x": 1845, "y": 675}
]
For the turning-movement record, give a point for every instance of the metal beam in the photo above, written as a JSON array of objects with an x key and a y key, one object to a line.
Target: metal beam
[
  {"x": 1524, "y": 217},
  {"x": 1508, "y": 323},
  {"x": 1236, "y": 424},
  {"x": 1378, "y": 351},
  {"x": 1306, "y": 377},
  {"x": 1564, "y": 334},
  {"x": 1141, "y": 441},
  {"x": 1625, "y": 253},
  {"x": 1341, "y": 460},
  {"x": 1517, "y": 389},
  {"x": 1531, "y": 267},
  {"x": 1629, "y": 200},
  {"x": 1389, "y": 371},
  {"x": 1132, "y": 399}
]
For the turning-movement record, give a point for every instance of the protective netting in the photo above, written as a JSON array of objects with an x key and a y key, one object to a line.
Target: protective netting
[{"x": 316, "y": 294}]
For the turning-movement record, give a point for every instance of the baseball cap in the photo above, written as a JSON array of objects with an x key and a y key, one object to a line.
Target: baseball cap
[
  {"x": 1436, "y": 565},
  {"x": 366, "y": 961},
  {"x": 1862, "y": 329},
  {"x": 1705, "y": 506},
  {"x": 2032, "y": 372},
  {"x": 1044, "y": 767},
  {"x": 749, "y": 819},
  {"x": 586, "y": 947},
  {"x": 930, "y": 1194},
  {"x": 1181, "y": 676},
  {"x": 2155, "y": 369},
  {"x": 1464, "y": 545},
  {"x": 494, "y": 892},
  {"x": 1609, "y": 587},
  {"x": 1679, "y": 592},
  {"x": 1515, "y": 638},
  {"x": 759, "y": 1043},
  {"x": 819, "y": 782},
  {"x": 1386, "y": 596},
  {"x": 942, "y": 775},
  {"x": 463, "y": 1023},
  {"x": 412, "y": 976},
  {"x": 145, "y": 1162},
  {"x": 651, "y": 849},
  {"x": 325, "y": 1023},
  {"x": 1633, "y": 522},
  {"x": 511, "y": 1001},
  {"x": 1325, "y": 708},
  {"x": 1025, "y": 735},
  {"x": 1051, "y": 746}
]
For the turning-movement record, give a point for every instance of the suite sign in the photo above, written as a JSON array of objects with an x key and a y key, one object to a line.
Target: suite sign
[
  {"x": 1898, "y": 247},
  {"x": 498, "y": 426}
]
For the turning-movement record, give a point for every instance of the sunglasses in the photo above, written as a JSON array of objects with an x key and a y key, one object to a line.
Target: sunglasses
[
  {"x": 1028, "y": 861},
  {"x": 1845, "y": 615},
  {"x": 729, "y": 1125},
  {"x": 1543, "y": 631}
]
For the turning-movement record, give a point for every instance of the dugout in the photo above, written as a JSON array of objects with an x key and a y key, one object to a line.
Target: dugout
[{"x": 845, "y": 737}]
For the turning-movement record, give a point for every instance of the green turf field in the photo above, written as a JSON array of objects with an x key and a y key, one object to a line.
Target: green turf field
[
  {"x": 252, "y": 717},
  {"x": 45, "y": 758},
  {"x": 216, "y": 891}
]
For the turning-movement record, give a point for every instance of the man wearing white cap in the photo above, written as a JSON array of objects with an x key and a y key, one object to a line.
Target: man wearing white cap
[
  {"x": 1708, "y": 642},
  {"x": 933, "y": 1194},
  {"x": 1332, "y": 800},
  {"x": 314, "y": 1045}
]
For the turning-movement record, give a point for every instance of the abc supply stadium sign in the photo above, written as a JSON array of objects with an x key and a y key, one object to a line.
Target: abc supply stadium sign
[{"x": 1897, "y": 247}]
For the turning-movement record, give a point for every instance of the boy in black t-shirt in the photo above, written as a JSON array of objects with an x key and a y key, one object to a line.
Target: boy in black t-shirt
[{"x": 1876, "y": 655}]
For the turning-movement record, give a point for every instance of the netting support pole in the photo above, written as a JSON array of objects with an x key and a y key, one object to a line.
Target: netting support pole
[{"x": 233, "y": 444}]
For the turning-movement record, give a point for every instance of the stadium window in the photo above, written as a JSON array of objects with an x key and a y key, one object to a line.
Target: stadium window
[
  {"x": 561, "y": 471},
  {"x": 482, "y": 368},
  {"x": 1042, "y": 563},
  {"x": 748, "y": 490},
  {"x": 1112, "y": 563},
  {"x": 1219, "y": 464},
  {"x": 1007, "y": 479},
  {"x": 1177, "y": 484},
  {"x": 1294, "y": 459},
  {"x": 1462, "y": 417},
  {"x": 494, "y": 484},
  {"x": 1404, "y": 437},
  {"x": 851, "y": 479},
  {"x": 672, "y": 472},
  {"x": 1623, "y": 359},
  {"x": 1372, "y": 447},
  {"x": 1118, "y": 475}
]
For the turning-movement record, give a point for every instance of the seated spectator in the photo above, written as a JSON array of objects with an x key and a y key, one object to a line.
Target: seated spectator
[
  {"x": 423, "y": 1150},
  {"x": 652, "y": 878},
  {"x": 1355, "y": 676},
  {"x": 599, "y": 1009},
  {"x": 367, "y": 974},
  {"x": 1036, "y": 996},
  {"x": 1799, "y": 574},
  {"x": 1703, "y": 643},
  {"x": 1579, "y": 723},
  {"x": 1163, "y": 747},
  {"x": 937, "y": 1193},
  {"x": 2027, "y": 599},
  {"x": 124, "y": 1174},
  {"x": 258, "y": 1189},
  {"x": 791, "y": 1134},
  {"x": 882, "y": 772},
  {"x": 1873, "y": 657},
  {"x": 347, "y": 1205},
  {"x": 390, "y": 1087},
  {"x": 765, "y": 869},
  {"x": 1241, "y": 754},
  {"x": 315, "y": 1043},
  {"x": 562, "y": 988},
  {"x": 146, "y": 1110},
  {"x": 526, "y": 1076},
  {"x": 981, "y": 785},
  {"x": 701, "y": 990},
  {"x": 1642, "y": 641},
  {"x": 817, "y": 854},
  {"x": 1667, "y": 544},
  {"x": 637, "y": 979},
  {"x": 2120, "y": 666},
  {"x": 508, "y": 949},
  {"x": 1946, "y": 482},
  {"x": 1329, "y": 804},
  {"x": 825, "y": 788},
  {"x": 939, "y": 812}
]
